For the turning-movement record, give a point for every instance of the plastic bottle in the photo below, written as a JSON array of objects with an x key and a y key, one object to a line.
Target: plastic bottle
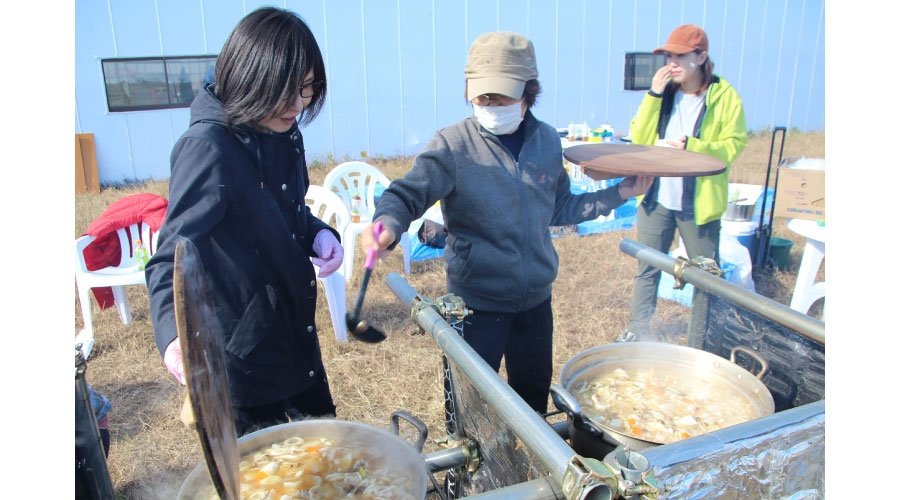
[
  {"x": 141, "y": 254},
  {"x": 355, "y": 207}
]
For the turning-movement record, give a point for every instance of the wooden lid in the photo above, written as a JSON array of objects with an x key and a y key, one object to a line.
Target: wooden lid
[
  {"x": 607, "y": 161},
  {"x": 204, "y": 368}
]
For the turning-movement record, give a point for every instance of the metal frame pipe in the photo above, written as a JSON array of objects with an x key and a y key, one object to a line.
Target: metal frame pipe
[
  {"x": 803, "y": 324},
  {"x": 553, "y": 452},
  {"x": 536, "y": 489},
  {"x": 446, "y": 459}
]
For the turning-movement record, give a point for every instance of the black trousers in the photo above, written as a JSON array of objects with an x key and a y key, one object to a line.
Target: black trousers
[
  {"x": 313, "y": 402},
  {"x": 525, "y": 340}
]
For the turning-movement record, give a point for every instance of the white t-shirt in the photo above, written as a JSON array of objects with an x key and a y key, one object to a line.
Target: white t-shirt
[{"x": 685, "y": 111}]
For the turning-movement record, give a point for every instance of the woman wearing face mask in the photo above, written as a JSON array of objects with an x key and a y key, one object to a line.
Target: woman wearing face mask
[
  {"x": 687, "y": 107},
  {"x": 500, "y": 178}
]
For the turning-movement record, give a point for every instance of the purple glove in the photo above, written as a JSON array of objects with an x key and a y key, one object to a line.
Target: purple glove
[
  {"x": 329, "y": 251},
  {"x": 173, "y": 362}
]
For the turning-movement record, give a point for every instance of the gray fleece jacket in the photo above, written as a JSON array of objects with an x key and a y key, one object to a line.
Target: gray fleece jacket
[{"x": 498, "y": 211}]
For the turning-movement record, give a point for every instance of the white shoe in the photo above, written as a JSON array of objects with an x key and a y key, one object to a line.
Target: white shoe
[{"x": 86, "y": 341}]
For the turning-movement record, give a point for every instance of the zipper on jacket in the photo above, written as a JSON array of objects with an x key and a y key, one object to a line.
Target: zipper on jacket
[{"x": 523, "y": 216}]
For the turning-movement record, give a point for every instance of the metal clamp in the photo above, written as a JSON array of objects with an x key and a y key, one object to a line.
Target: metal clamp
[
  {"x": 473, "y": 455},
  {"x": 678, "y": 272},
  {"x": 451, "y": 307},
  {"x": 702, "y": 263},
  {"x": 469, "y": 449},
  {"x": 589, "y": 478},
  {"x": 637, "y": 479},
  {"x": 418, "y": 304},
  {"x": 621, "y": 474}
]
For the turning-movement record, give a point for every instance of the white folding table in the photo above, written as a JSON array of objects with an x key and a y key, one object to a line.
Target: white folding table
[{"x": 807, "y": 291}]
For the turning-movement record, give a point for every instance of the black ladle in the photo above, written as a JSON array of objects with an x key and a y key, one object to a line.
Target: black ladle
[{"x": 360, "y": 329}]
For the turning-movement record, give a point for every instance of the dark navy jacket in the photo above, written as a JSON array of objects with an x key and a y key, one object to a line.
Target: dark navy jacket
[{"x": 239, "y": 196}]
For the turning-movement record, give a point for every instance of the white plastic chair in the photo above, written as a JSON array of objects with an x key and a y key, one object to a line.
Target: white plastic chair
[
  {"x": 328, "y": 207},
  {"x": 353, "y": 177},
  {"x": 125, "y": 273}
]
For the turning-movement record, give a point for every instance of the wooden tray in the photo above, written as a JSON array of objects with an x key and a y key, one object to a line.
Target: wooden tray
[{"x": 607, "y": 161}]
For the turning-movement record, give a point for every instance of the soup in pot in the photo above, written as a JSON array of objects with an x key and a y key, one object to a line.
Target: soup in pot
[
  {"x": 660, "y": 406},
  {"x": 317, "y": 468}
]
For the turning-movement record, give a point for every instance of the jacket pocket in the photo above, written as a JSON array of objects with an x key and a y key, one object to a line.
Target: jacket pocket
[
  {"x": 460, "y": 265},
  {"x": 254, "y": 325}
]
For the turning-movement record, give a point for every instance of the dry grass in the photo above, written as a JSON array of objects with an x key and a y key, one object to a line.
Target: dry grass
[{"x": 152, "y": 451}]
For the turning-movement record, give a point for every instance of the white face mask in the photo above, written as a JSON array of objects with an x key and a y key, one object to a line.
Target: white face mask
[{"x": 499, "y": 120}]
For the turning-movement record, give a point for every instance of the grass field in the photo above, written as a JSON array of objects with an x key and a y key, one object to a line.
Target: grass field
[{"x": 152, "y": 451}]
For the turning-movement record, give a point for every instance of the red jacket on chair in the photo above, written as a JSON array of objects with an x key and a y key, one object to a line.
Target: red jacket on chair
[{"x": 104, "y": 251}]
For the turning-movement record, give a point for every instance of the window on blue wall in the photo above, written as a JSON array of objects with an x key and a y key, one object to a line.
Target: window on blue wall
[
  {"x": 136, "y": 84},
  {"x": 640, "y": 68}
]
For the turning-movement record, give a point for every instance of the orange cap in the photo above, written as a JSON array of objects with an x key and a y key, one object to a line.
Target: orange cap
[{"x": 685, "y": 38}]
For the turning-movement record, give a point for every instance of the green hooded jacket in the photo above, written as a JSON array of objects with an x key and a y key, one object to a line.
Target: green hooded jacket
[{"x": 721, "y": 132}]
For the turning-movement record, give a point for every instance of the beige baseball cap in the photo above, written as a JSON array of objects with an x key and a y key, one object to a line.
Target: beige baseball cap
[{"x": 500, "y": 63}]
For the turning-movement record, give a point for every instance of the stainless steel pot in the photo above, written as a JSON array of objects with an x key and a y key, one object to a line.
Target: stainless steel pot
[
  {"x": 689, "y": 363},
  {"x": 739, "y": 212},
  {"x": 405, "y": 460}
]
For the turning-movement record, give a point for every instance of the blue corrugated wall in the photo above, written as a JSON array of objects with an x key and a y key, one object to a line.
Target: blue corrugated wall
[{"x": 395, "y": 67}]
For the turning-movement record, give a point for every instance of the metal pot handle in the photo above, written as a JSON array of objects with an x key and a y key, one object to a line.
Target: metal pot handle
[
  {"x": 764, "y": 366},
  {"x": 564, "y": 401},
  {"x": 412, "y": 419}
]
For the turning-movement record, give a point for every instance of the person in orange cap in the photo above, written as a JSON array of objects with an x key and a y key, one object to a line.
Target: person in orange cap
[{"x": 687, "y": 107}]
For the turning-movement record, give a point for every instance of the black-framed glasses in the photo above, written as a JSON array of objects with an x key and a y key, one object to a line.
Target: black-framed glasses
[
  {"x": 311, "y": 88},
  {"x": 494, "y": 100}
]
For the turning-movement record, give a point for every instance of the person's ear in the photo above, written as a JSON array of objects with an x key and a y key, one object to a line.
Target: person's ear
[{"x": 702, "y": 57}]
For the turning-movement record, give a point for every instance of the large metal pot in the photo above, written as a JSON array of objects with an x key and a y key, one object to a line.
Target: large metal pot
[
  {"x": 691, "y": 364},
  {"x": 405, "y": 460}
]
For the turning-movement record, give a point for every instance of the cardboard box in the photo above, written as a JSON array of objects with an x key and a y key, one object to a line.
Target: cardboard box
[{"x": 800, "y": 194}]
